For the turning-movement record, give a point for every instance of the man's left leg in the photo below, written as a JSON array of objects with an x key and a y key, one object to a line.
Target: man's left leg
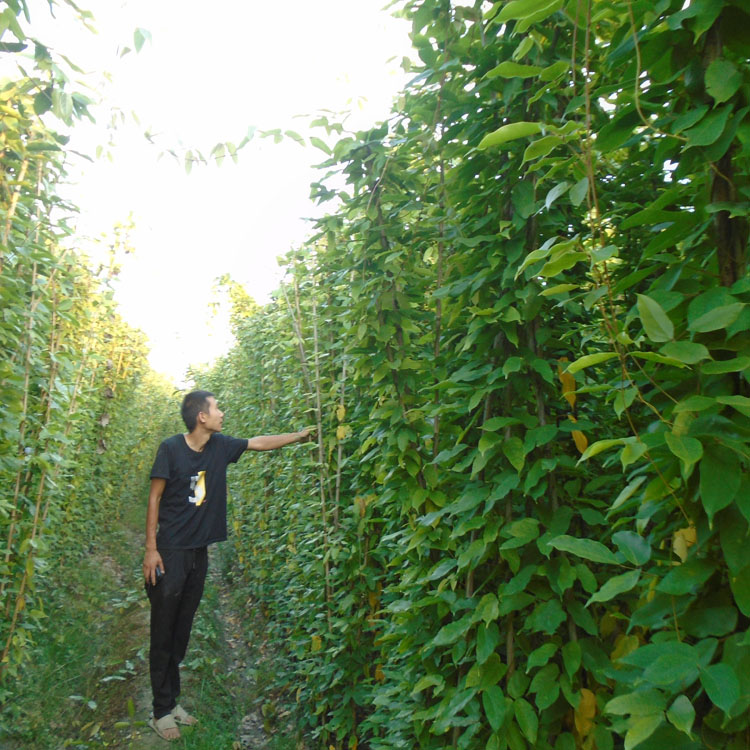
[{"x": 191, "y": 597}]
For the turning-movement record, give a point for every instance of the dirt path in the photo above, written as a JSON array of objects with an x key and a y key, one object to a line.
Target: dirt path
[
  {"x": 88, "y": 687},
  {"x": 217, "y": 685}
]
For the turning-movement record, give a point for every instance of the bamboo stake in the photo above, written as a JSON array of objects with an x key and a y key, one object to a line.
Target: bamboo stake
[
  {"x": 12, "y": 210},
  {"x": 321, "y": 454},
  {"x": 340, "y": 450},
  {"x": 296, "y": 314}
]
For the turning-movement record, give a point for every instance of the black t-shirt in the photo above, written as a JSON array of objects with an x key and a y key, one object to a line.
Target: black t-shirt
[{"x": 193, "y": 507}]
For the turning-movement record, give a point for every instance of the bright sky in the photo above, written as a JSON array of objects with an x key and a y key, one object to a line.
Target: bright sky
[{"x": 210, "y": 72}]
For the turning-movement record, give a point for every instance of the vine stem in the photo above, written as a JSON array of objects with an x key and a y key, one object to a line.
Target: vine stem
[
  {"x": 296, "y": 314},
  {"x": 12, "y": 210},
  {"x": 23, "y": 420}
]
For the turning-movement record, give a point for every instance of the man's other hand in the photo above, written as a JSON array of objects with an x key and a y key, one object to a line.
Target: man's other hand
[{"x": 151, "y": 561}]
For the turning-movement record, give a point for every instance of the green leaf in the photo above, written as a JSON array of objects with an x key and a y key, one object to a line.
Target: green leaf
[
  {"x": 572, "y": 655},
  {"x": 533, "y": 257},
  {"x": 716, "y": 319},
  {"x": 588, "y": 360},
  {"x": 708, "y": 130},
  {"x": 321, "y": 144},
  {"x": 695, "y": 403},
  {"x": 722, "y": 80},
  {"x": 488, "y": 636},
  {"x": 641, "y": 729},
  {"x": 655, "y": 321},
  {"x": 688, "y": 449},
  {"x": 599, "y": 446},
  {"x": 740, "y": 403},
  {"x": 740, "y": 585},
  {"x": 585, "y": 548},
  {"x": 551, "y": 72},
  {"x": 487, "y": 609},
  {"x": 633, "y": 546},
  {"x": 560, "y": 189},
  {"x": 724, "y": 366},
  {"x": 510, "y": 132},
  {"x": 720, "y": 478},
  {"x": 430, "y": 680},
  {"x": 660, "y": 358},
  {"x": 527, "y": 719},
  {"x": 721, "y": 684},
  {"x": 681, "y": 714},
  {"x": 558, "y": 289},
  {"x": 546, "y": 617},
  {"x": 639, "y": 703},
  {"x": 514, "y": 452},
  {"x": 614, "y": 586},
  {"x": 627, "y": 492},
  {"x": 140, "y": 37},
  {"x": 510, "y": 69},
  {"x": 540, "y": 656},
  {"x": 523, "y": 48},
  {"x": 541, "y": 147},
  {"x": 550, "y": 7},
  {"x": 492, "y": 672},
  {"x": 579, "y": 191},
  {"x": 733, "y": 530},
  {"x": 451, "y": 632},
  {"x": 685, "y": 351},
  {"x": 685, "y": 578},
  {"x": 546, "y": 686},
  {"x": 561, "y": 263},
  {"x": 494, "y": 705}
]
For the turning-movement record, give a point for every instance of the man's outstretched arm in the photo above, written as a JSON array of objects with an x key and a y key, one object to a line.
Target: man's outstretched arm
[
  {"x": 272, "y": 442},
  {"x": 152, "y": 558}
]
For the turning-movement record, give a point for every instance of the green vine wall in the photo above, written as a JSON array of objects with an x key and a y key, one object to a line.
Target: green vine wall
[{"x": 522, "y": 328}]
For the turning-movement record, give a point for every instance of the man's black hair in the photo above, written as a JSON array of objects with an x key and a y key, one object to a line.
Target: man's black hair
[{"x": 194, "y": 403}]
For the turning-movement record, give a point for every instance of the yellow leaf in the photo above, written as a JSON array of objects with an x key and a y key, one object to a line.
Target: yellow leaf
[
  {"x": 374, "y": 600},
  {"x": 361, "y": 505},
  {"x": 682, "y": 540},
  {"x": 317, "y": 643},
  {"x": 580, "y": 440},
  {"x": 568, "y": 382},
  {"x": 584, "y": 714},
  {"x": 379, "y": 674},
  {"x": 340, "y": 413},
  {"x": 343, "y": 431}
]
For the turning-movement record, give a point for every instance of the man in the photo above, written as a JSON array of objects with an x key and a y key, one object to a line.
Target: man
[{"x": 188, "y": 501}]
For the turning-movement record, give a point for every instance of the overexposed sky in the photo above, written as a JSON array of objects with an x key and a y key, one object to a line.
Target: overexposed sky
[{"x": 209, "y": 72}]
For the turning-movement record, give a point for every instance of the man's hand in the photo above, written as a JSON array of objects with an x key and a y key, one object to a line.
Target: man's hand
[
  {"x": 306, "y": 435},
  {"x": 151, "y": 561}
]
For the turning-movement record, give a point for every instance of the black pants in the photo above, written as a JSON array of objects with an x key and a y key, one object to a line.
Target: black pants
[{"x": 174, "y": 601}]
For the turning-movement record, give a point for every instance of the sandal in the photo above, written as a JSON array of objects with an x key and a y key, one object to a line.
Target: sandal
[
  {"x": 181, "y": 716},
  {"x": 160, "y": 726}
]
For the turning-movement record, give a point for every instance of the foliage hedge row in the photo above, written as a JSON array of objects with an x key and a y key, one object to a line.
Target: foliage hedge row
[
  {"x": 77, "y": 396},
  {"x": 523, "y": 330}
]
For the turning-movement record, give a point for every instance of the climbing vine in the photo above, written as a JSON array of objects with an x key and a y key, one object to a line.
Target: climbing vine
[
  {"x": 522, "y": 329},
  {"x": 72, "y": 372}
]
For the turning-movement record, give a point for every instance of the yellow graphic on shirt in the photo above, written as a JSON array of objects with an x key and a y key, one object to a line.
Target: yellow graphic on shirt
[{"x": 198, "y": 488}]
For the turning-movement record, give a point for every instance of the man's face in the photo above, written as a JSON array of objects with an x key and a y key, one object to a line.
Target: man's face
[{"x": 214, "y": 417}]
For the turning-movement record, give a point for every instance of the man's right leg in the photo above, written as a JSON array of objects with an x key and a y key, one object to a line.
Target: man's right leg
[
  {"x": 166, "y": 598},
  {"x": 196, "y": 566}
]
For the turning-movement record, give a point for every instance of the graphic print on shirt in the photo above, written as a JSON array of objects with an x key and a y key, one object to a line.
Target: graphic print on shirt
[{"x": 198, "y": 488}]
